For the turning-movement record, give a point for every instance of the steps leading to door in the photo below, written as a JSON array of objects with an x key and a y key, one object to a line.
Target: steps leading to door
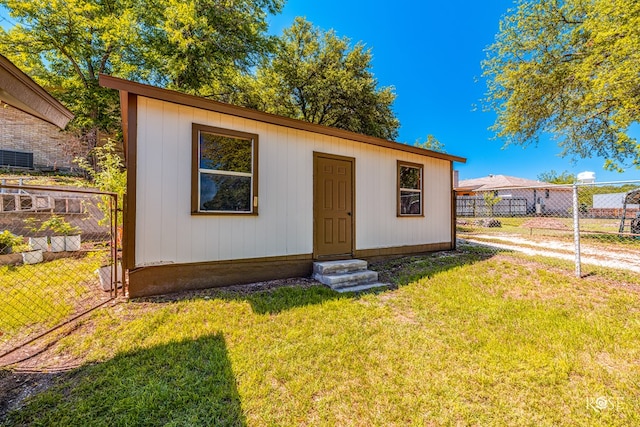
[{"x": 346, "y": 276}]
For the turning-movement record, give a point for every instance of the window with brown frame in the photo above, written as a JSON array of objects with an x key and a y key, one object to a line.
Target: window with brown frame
[
  {"x": 224, "y": 171},
  {"x": 410, "y": 189}
]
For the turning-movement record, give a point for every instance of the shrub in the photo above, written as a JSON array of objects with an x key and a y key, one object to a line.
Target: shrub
[{"x": 8, "y": 241}]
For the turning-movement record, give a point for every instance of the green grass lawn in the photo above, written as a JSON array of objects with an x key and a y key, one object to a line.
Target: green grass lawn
[
  {"x": 470, "y": 339},
  {"x": 41, "y": 295},
  {"x": 518, "y": 225}
]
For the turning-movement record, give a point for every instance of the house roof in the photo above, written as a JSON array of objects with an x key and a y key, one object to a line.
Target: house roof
[
  {"x": 496, "y": 182},
  {"x": 20, "y": 91},
  {"x": 127, "y": 86}
]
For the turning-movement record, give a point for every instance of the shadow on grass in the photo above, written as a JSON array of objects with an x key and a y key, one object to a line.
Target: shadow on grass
[
  {"x": 281, "y": 295},
  {"x": 181, "y": 383},
  {"x": 404, "y": 270},
  {"x": 395, "y": 272}
]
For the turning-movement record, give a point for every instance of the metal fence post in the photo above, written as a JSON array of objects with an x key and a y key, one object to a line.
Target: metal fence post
[{"x": 576, "y": 229}]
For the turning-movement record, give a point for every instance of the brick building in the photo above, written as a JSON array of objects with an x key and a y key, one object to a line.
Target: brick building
[
  {"x": 40, "y": 144},
  {"x": 31, "y": 125}
]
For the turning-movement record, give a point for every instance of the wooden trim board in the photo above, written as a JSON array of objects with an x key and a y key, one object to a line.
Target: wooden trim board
[
  {"x": 420, "y": 167},
  {"x": 167, "y": 278},
  {"x": 130, "y": 123},
  {"x": 162, "y": 279},
  {"x": 196, "y": 130},
  {"x": 403, "y": 250}
]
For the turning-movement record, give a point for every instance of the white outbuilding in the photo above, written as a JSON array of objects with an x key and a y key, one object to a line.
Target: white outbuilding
[{"x": 219, "y": 195}]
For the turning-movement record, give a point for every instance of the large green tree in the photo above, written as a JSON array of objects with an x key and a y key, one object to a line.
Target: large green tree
[
  {"x": 320, "y": 78},
  {"x": 182, "y": 44},
  {"x": 554, "y": 177},
  {"x": 431, "y": 143},
  {"x": 570, "y": 68}
]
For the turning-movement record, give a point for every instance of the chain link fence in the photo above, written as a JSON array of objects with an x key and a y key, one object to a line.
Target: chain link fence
[
  {"x": 58, "y": 258},
  {"x": 590, "y": 224}
]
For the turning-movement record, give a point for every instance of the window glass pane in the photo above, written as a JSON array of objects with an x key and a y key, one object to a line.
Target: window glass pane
[
  {"x": 410, "y": 203},
  {"x": 225, "y": 193},
  {"x": 409, "y": 177},
  {"x": 225, "y": 153}
]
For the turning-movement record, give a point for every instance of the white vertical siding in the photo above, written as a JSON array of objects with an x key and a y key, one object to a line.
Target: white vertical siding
[
  {"x": 376, "y": 220},
  {"x": 167, "y": 232}
]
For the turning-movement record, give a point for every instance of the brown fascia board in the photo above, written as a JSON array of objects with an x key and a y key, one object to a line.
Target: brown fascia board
[
  {"x": 247, "y": 113},
  {"x": 20, "y": 91}
]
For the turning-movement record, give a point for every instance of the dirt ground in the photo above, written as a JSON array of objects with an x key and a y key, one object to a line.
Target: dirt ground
[
  {"x": 611, "y": 256},
  {"x": 16, "y": 387},
  {"x": 542, "y": 222}
]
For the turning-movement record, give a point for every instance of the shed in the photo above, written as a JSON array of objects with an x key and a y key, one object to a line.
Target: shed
[{"x": 219, "y": 194}]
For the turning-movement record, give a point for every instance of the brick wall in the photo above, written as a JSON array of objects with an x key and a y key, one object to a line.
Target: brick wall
[{"x": 51, "y": 147}]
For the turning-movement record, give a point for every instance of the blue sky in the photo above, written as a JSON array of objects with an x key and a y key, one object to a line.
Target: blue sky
[{"x": 430, "y": 51}]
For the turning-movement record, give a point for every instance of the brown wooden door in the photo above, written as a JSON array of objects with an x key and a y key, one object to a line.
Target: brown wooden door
[{"x": 333, "y": 206}]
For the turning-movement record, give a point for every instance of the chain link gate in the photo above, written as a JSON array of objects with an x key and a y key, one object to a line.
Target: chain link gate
[
  {"x": 58, "y": 258},
  {"x": 590, "y": 224}
]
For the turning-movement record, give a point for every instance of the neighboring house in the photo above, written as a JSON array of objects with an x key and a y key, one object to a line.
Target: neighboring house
[
  {"x": 31, "y": 123},
  {"x": 518, "y": 196},
  {"x": 220, "y": 195}
]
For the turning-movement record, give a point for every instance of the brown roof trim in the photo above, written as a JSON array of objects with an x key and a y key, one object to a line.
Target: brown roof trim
[
  {"x": 220, "y": 107},
  {"x": 20, "y": 91}
]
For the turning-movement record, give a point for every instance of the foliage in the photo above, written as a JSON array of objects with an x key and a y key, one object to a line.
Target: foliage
[
  {"x": 553, "y": 177},
  {"x": 491, "y": 199},
  {"x": 65, "y": 44},
  {"x": 318, "y": 77},
  {"x": 33, "y": 225},
  {"x": 431, "y": 143},
  {"x": 230, "y": 154},
  {"x": 109, "y": 176},
  {"x": 198, "y": 45},
  {"x": 8, "y": 241},
  {"x": 218, "y": 152},
  {"x": 410, "y": 177},
  {"x": 570, "y": 68},
  {"x": 58, "y": 225},
  {"x": 464, "y": 340}
]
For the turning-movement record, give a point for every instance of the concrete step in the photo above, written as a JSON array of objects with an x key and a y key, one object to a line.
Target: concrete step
[
  {"x": 341, "y": 280},
  {"x": 337, "y": 267},
  {"x": 346, "y": 275},
  {"x": 361, "y": 288}
]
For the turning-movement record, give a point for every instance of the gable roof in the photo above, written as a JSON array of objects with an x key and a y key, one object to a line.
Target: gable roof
[
  {"x": 127, "y": 86},
  {"x": 495, "y": 182},
  {"x": 20, "y": 91}
]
